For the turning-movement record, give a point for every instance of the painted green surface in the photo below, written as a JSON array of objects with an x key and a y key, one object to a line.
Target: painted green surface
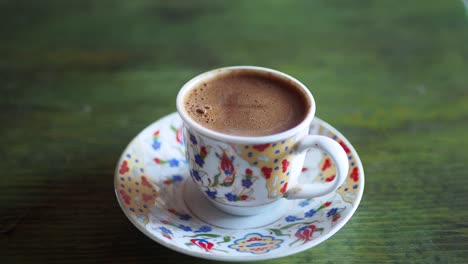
[{"x": 79, "y": 79}]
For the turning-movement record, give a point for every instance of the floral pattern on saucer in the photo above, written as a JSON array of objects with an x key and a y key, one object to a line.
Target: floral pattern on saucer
[
  {"x": 256, "y": 243},
  {"x": 149, "y": 181}
]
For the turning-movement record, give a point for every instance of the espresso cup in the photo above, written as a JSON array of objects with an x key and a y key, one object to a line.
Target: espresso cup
[{"x": 248, "y": 175}]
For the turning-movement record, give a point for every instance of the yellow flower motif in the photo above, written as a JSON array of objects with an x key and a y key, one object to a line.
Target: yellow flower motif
[
  {"x": 273, "y": 160},
  {"x": 256, "y": 243},
  {"x": 136, "y": 191}
]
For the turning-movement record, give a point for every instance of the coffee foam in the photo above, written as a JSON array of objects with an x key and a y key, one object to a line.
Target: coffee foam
[{"x": 247, "y": 103}]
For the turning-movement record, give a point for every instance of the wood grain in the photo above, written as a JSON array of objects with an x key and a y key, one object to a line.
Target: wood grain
[{"x": 79, "y": 79}]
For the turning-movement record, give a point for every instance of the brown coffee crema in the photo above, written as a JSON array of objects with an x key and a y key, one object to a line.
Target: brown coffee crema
[{"x": 247, "y": 103}]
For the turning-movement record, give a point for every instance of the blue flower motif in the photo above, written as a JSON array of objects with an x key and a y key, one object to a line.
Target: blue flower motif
[
  {"x": 231, "y": 197},
  {"x": 291, "y": 218},
  {"x": 193, "y": 139},
  {"x": 156, "y": 145},
  {"x": 165, "y": 230},
  {"x": 185, "y": 217},
  {"x": 196, "y": 175},
  {"x": 257, "y": 244},
  {"x": 177, "y": 178},
  {"x": 199, "y": 160},
  {"x": 332, "y": 212},
  {"x": 211, "y": 194},
  {"x": 310, "y": 213},
  {"x": 302, "y": 229},
  {"x": 227, "y": 172},
  {"x": 203, "y": 229},
  {"x": 185, "y": 228},
  {"x": 246, "y": 183},
  {"x": 173, "y": 163},
  {"x": 304, "y": 203}
]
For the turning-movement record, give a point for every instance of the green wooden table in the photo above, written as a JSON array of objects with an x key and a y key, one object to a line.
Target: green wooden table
[{"x": 79, "y": 79}]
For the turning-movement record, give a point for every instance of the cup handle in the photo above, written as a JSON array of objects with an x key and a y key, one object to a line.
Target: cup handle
[{"x": 336, "y": 152}]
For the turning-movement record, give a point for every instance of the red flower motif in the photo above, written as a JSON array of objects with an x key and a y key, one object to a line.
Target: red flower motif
[
  {"x": 244, "y": 197},
  {"x": 179, "y": 134},
  {"x": 248, "y": 172},
  {"x": 226, "y": 165},
  {"x": 283, "y": 189},
  {"x": 304, "y": 169},
  {"x": 285, "y": 163},
  {"x": 336, "y": 217},
  {"x": 157, "y": 160},
  {"x": 305, "y": 233},
  {"x": 354, "y": 174},
  {"x": 203, "y": 151},
  {"x": 146, "y": 197},
  {"x": 164, "y": 221},
  {"x": 261, "y": 148},
  {"x": 331, "y": 178},
  {"x": 326, "y": 165},
  {"x": 327, "y": 204},
  {"x": 343, "y": 145},
  {"x": 172, "y": 210},
  {"x": 125, "y": 197},
  {"x": 202, "y": 243},
  {"x": 266, "y": 172},
  {"x": 156, "y": 133},
  {"x": 145, "y": 182},
  {"x": 124, "y": 167}
]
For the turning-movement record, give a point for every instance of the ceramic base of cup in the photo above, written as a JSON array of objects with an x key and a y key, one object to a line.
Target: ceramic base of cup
[
  {"x": 231, "y": 217},
  {"x": 250, "y": 211}
]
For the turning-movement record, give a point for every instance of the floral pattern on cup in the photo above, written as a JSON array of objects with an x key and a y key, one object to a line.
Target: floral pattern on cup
[
  {"x": 226, "y": 174},
  {"x": 266, "y": 166},
  {"x": 272, "y": 160}
]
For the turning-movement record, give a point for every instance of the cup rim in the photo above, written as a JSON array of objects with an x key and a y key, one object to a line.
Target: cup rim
[{"x": 243, "y": 139}]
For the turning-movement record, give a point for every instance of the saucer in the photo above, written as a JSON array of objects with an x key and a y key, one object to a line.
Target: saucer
[{"x": 155, "y": 191}]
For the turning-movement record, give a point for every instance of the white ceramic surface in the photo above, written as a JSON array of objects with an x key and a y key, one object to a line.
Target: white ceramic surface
[{"x": 155, "y": 191}]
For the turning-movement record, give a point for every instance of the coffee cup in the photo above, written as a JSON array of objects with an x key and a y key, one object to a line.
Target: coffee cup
[{"x": 246, "y": 132}]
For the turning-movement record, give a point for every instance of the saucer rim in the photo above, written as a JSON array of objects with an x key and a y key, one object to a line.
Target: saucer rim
[{"x": 246, "y": 258}]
